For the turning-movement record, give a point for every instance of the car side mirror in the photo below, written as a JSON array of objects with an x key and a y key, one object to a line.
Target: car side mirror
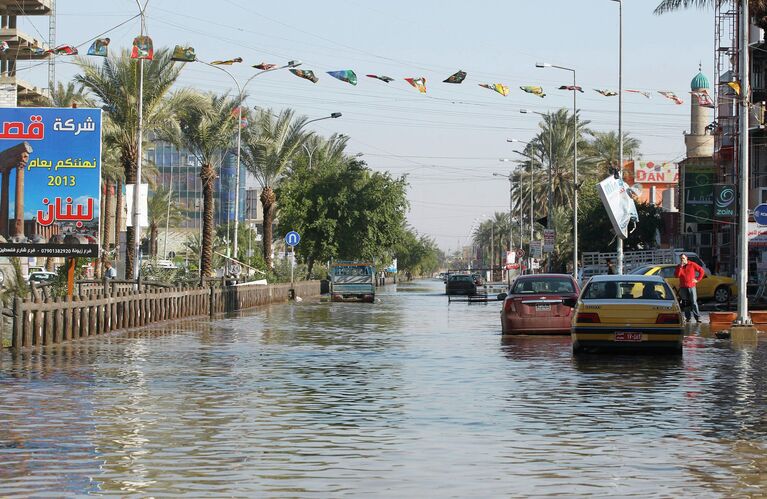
[
  {"x": 501, "y": 296},
  {"x": 570, "y": 302}
]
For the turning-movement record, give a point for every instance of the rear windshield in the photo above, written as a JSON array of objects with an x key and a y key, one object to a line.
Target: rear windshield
[
  {"x": 543, "y": 286},
  {"x": 461, "y": 278},
  {"x": 351, "y": 270},
  {"x": 629, "y": 290}
]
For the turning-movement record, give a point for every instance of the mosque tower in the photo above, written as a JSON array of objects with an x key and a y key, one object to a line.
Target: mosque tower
[{"x": 699, "y": 141}]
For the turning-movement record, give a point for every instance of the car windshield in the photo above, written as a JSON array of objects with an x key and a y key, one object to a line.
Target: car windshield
[
  {"x": 641, "y": 270},
  {"x": 543, "y": 286},
  {"x": 627, "y": 290}
]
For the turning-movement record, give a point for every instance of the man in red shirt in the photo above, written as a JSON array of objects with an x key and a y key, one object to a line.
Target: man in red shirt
[{"x": 689, "y": 273}]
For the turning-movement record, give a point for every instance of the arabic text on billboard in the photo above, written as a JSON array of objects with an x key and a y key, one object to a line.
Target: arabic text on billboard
[
  {"x": 656, "y": 173},
  {"x": 50, "y": 190}
]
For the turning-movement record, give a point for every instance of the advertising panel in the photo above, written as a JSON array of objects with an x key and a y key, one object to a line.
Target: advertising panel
[
  {"x": 724, "y": 201},
  {"x": 549, "y": 238},
  {"x": 50, "y": 189},
  {"x": 699, "y": 194},
  {"x": 656, "y": 173},
  {"x": 618, "y": 203}
]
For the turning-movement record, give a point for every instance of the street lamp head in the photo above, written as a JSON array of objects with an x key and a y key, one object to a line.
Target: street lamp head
[
  {"x": 294, "y": 64},
  {"x": 542, "y": 65},
  {"x": 517, "y": 140},
  {"x": 524, "y": 111},
  {"x": 335, "y": 115},
  {"x": 504, "y": 160}
]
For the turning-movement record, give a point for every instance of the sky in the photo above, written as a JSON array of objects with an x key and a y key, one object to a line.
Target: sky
[{"x": 448, "y": 141}]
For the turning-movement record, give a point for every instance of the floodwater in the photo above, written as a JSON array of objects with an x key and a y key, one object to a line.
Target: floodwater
[{"x": 410, "y": 397}]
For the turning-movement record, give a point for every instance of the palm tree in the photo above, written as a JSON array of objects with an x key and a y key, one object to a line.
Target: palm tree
[
  {"x": 69, "y": 96},
  {"x": 206, "y": 128},
  {"x": 115, "y": 84},
  {"x": 161, "y": 209},
  {"x": 603, "y": 150},
  {"x": 271, "y": 143},
  {"x": 757, "y": 8}
]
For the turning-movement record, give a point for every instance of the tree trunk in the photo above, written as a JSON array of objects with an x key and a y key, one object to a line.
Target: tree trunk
[
  {"x": 106, "y": 227},
  {"x": 208, "y": 176},
  {"x": 309, "y": 266},
  {"x": 153, "y": 240},
  {"x": 267, "y": 201},
  {"x": 118, "y": 217},
  {"x": 129, "y": 158}
]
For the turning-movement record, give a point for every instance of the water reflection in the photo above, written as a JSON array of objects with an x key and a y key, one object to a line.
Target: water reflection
[{"x": 406, "y": 397}]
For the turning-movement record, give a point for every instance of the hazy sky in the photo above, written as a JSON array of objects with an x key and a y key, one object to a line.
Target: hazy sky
[{"x": 448, "y": 141}]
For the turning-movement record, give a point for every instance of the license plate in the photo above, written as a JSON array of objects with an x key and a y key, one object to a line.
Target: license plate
[
  {"x": 628, "y": 336},
  {"x": 543, "y": 307}
]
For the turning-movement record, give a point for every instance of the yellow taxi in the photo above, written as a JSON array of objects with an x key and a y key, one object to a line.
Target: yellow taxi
[
  {"x": 711, "y": 287},
  {"x": 627, "y": 313}
]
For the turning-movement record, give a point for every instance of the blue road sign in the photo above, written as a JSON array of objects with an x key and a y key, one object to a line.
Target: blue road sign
[
  {"x": 760, "y": 214},
  {"x": 292, "y": 238}
]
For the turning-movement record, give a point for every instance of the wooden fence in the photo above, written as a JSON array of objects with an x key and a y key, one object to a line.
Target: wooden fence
[{"x": 38, "y": 321}]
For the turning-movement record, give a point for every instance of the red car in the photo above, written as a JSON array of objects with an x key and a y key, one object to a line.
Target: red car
[{"x": 535, "y": 304}]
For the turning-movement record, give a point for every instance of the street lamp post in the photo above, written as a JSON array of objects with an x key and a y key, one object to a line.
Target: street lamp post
[
  {"x": 240, "y": 97},
  {"x": 511, "y": 208},
  {"x": 575, "y": 163},
  {"x": 620, "y": 119},
  {"x": 550, "y": 199},
  {"x": 532, "y": 161}
]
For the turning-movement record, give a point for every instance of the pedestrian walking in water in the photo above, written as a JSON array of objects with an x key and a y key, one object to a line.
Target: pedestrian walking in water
[{"x": 689, "y": 273}]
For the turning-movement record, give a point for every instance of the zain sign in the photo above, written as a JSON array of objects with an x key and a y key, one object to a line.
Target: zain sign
[{"x": 724, "y": 201}]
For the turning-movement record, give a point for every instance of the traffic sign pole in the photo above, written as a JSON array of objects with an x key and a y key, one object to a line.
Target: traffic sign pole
[{"x": 292, "y": 239}]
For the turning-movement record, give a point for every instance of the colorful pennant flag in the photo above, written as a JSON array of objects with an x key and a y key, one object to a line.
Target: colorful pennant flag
[
  {"x": 571, "y": 88},
  {"x": 63, "y": 50},
  {"x": 306, "y": 74},
  {"x": 382, "y": 78},
  {"x": 672, "y": 96},
  {"x": 640, "y": 92},
  {"x": 735, "y": 85},
  {"x": 704, "y": 100},
  {"x": 38, "y": 51},
  {"x": 419, "y": 83},
  {"x": 227, "y": 62},
  {"x": 142, "y": 48},
  {"x": 183, "y": 54},
  {"x": 498, "y": 87},
  {"x": 99, "y": 47},
  {"x": 264, "y": 66},
  {"x": 533, "y": 90},
  {"x": 346, "y": 75},
  {"x": 456, "y": 77},
  {"x": 606, "y": 93}
]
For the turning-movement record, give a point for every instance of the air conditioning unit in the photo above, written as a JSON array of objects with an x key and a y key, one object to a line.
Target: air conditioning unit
[{"x": 756, "y": 197}]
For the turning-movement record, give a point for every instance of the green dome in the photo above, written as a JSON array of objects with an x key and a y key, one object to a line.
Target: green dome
[{"x": 700, "y": 81}]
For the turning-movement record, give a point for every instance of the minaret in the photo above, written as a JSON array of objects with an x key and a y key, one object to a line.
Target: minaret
[{"x": 699, "y": 142}]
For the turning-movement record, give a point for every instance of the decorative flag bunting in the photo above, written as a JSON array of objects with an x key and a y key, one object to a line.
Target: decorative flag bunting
[
  {"x": 183, "y": 54},
  {"x": 640, "y": 92},
  {"x": 735, "y": 85},
  {"x": 99, "y": 47},
  {"x": 419, "y": 83},
  {"x": 63, "y": 50},
  {"x": 142, "y": 48},
  {"x": 4, "y": 46},
  {"x": 672, "y": 96},
  {"x": 346, "y": 75},
  {"x": 38, "y": 51},
  {"x": 457, "y": 77},
  {"x": 704, "y": 100},
  {"x": 227, "y": 62},
  {"x": 498, "y": 87},
  {"x": 606, "y": 93},
  {"x": 265, "y": 66},
  {"x": 571, "y": 88},
  {"x": 533, "y": 90},
  {"x": 306, "y": 74},
  {"x": 382, "y": 78}
]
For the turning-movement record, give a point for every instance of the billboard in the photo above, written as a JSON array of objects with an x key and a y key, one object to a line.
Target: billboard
[
  {"x": 724, "y": 201},
  {"x": 618, "y": 203},
  {"x": 50, "y": 187},
  {"x": 699, "y": 194},
  {"x": 656, "y": 173}
]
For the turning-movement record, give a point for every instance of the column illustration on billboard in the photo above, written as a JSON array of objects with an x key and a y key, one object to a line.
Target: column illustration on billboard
[{"x": 50, "y": 188}]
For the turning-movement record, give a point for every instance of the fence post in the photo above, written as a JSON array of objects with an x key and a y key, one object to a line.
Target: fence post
[
  {"x": 212, "y": 300},
  {"x": 18, "y": 324}
]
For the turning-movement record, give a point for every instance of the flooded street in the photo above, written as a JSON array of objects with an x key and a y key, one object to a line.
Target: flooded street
[{"x": 408, "y": 397}]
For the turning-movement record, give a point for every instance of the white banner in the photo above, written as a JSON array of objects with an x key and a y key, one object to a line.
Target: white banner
[
  {"x": 619, "y": 205},
  {"x": 143, "y": 210}
]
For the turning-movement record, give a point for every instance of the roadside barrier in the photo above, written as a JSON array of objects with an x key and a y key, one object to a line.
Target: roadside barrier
[{"x": 41, "y": 321}]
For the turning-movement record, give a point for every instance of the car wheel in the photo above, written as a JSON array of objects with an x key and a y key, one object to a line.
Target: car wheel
[{"x": 722, "y": 294}]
